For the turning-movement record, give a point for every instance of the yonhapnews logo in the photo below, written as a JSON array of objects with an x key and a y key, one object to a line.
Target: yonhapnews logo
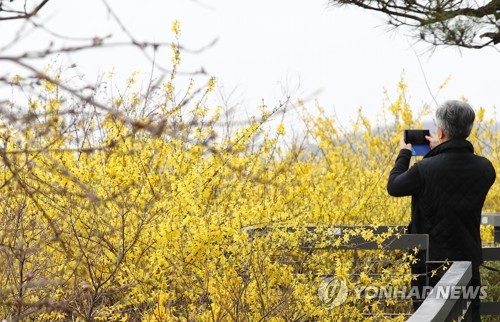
[{"x": 333, "y": 291}]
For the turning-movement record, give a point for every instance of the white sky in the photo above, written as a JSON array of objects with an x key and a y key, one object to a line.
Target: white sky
[{"x": 264, "y": 46}]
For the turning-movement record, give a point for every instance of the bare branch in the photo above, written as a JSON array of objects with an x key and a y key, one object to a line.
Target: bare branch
[{"x": 25, "y": 14}]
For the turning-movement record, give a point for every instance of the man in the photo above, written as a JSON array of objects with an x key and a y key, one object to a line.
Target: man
[{"x": 448, "y": 188}]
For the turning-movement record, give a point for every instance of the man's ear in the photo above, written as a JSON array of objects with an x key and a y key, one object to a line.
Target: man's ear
[{"x": 441, "y": 135}]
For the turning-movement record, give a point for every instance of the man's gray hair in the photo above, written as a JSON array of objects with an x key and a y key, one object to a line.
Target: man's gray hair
[{"x": 456, "y": 118}]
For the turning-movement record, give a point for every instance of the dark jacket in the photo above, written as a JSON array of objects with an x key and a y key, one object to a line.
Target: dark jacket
[{"x": 448, "y": 189}]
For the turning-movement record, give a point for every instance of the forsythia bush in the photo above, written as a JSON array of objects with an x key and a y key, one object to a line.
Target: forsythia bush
[{"x": 145, "y": 214}]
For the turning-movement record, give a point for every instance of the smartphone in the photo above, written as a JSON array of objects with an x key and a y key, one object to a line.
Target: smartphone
[
  {"x": 416, "y": 137},
  {"x": 418, "y": 141}
]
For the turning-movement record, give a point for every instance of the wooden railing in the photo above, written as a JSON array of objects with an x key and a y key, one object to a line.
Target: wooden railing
[{"x": 432, "y": 308}]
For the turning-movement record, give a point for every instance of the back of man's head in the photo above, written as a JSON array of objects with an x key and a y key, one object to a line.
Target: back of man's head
[{"x": 456, "y": 119}]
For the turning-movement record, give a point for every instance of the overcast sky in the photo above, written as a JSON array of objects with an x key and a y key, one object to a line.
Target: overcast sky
[
  {"x": 344, "y": 57},
  {"x": 348, "y": 54}
]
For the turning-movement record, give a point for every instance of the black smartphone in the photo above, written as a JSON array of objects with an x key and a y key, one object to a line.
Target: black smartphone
[{"x": 416, "y": 137}]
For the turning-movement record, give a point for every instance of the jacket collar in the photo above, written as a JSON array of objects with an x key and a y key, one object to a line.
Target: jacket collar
[{"x": 453, "y": 146}]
